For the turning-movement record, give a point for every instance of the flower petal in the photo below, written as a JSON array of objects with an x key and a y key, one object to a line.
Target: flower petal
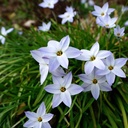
[
  {"x": 86, "y": 87},
  {"x": 53, "y": 88},
  {"x": 46, "y": 125},
  {"x": 110, "y": 78},
  {"x": 103, "y": 72},
  {"x": 66, "y": 98},
  {"x": 64, "y": 43},
  {"x": 95, "y": 49},
  {"x": 9, "y": 30},
  {"x": 31, "y": 115},
  {"x": 75, "y": 89},
  {"x": 47, "y": 117},
  {"x": 95, "y": 90},
  {"x": 63, "y": 60},
  {"x": 119, "y": 72},
  {"x": 120, "y": 62},
  {"x": 102, "y": 54},
  {"x": 105, "y": 87},
  {"x": 72, "y": 52},
  {"x": 53, "y": 64},
  {"x": 41, "y": 110},
  {"x": 99, "y": 64},
  {"x": 56, "y": 100},
  {"x": 29, "y": 124},
  {"x": 67, "y": 80},
  {"x": 85, "y": 78},
  {"x": 44, "y": 73},
  {"x": 88, "y": 67}
]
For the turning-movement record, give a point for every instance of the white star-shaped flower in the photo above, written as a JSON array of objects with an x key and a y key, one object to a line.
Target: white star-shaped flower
[
  {"x": 101, "y": 12},
  {"x": 48, "y": 3},
  {"x": 45, "y": 27},
  {"x": 4, "y": 33},
  {"x": 94, "y": 83},
  {"x": 68, "y": 15},
  {"x": 107, "y": 21},
  {"x": 63, "y": 89},
  {"x": 39, "y": 119},
  {"x": 59, "y": 52},
  {"x": 119, "y": 32},
  {"x": 113, "y": 68},
  {"x": 93, "y": 58}
]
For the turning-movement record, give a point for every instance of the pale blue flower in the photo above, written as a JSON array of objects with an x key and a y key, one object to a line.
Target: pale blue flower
[
  {"x": 107, "y": 21},
  {"x": 45, "y": 27},
  {"x": 48, "y": 3},
  {"x": 101, "y": 12},
  {"x": 113, "y": 68},
  {"x": 93, "y": 57},
  {"x": 4, "y": 33},
  {"x": 63, "y": 89},
  {"x": 59, "y": 52},
  {"x": 68, "y": 15},
  {"x": 39, "y": 119},
  {"x": 119, "y": 32},
  {"x": 94, "y": 83}
]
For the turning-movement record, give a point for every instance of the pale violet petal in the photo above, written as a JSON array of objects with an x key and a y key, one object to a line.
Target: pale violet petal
[
  {"x": 46, "y": 125},
  {"x": 54, "y": 44},
  {"x": 3, "y": 40},
  {"x": 103, "y": 72},
  {"x": 58, "y": 72},
  {"x": 102, "y": 54},
  {"x": 38, "y": 56},
  {"x": 100, "y": 79},
  {"x": 72, "y": 52},
  {"x": 105, "y": 87},
  {"x": 67, "y": 80},
  {"x": 85, "y": 78},
  {"x": 110, "y": 60},
  {"x": 44, "y": 73},
  {"x": 53, "y": 88},
  {"x": 95, "y": 49},
  {"x": 110, "y": 10},
  {"x": 75, "y": 89},
  {"x": 86, "y": 87},
  {"x": 48, "y": 51},
  {"x": 120, "y": 62},
  {"x": 41, "y": 110},
  {"x": 66, "y": 98},
  {"x": 53, "y": 64},
  {"x": 119, "y": 72},
  {"x": 99, "y": 64},
  {"x": 63, "y": 60},
  {"x": 64, "y": 43},
  {"x": 47, "y": 117},
  {"x": 97, "y": 8},
  {"x": 95, "y": 90},
  {"x": 9, "y": 30},
  {"x": 56, "y": 100},
  {"x": 105, "y": 7},
  {"x": 3, "y": 31},
  {"x": 57, "y": 80},
  {"x": 29, "y": 124},
  {"x": 88, "y": 67},
  {"x": 31, "y": 115},
  {"x": 110, "y": 78}
]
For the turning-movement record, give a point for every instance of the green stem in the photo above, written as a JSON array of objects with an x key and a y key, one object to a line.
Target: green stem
[
  {"x": 125, "y": 120},
  {"x": 93, "y": 117}
]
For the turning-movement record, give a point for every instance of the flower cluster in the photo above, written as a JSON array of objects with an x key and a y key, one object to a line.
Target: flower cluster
[{"x": 100, "y": 66}]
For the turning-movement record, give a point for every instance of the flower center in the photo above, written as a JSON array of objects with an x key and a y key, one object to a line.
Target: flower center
[
  {"x": 102, "y": 14},
  {"x": 118, "y": 34},
  {"x": 94, "y": 81},
  {"x": 62, "y": 89},
  {"x": 107, "y": 25},
  {"x": 92, "y": 58},
  {"x": 40, "y": 119},
  {"x": 59, "y": 53},
  {"x": 110, "y": 67}
]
